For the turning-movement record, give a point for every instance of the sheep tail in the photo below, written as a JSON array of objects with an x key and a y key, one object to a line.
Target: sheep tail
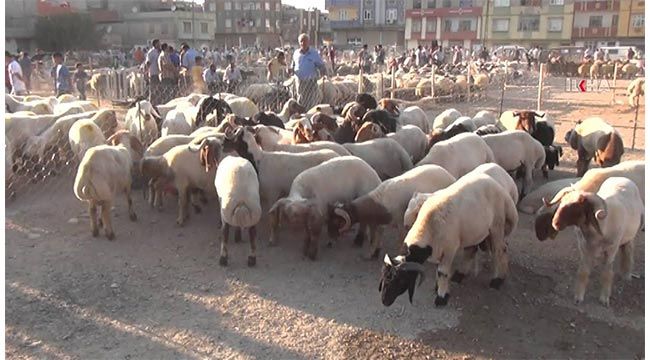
[
  {"x": 84, "y": 189},
  {"x": 242, "y": 215}
]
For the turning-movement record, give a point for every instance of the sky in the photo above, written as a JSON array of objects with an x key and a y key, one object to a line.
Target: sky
[{"x": 306, "y": 3}]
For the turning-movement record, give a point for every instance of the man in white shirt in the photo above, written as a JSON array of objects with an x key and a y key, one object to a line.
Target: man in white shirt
[
  {"x": 15, "y": 75},
  {"x": 232, "y": 76}
]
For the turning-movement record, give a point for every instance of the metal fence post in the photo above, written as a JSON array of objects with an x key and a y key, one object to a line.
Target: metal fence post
[
  {"x": 381, "y": 85},
  {"x": 392, "y": 83},
  {"x": 360, "y": 87},
  {"x": 540, "y": 87},
  {"x": 433, "y": 84},
  {"x": 636, "y": 117},
  {"x": 469, "y": 74},
  {"x": 614, "y": 85}
]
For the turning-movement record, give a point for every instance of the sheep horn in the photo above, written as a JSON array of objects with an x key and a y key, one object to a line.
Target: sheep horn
[
  {"x": 387, "y": 260},
  {"x": 600, "y": 208},
  {"x": 344, "y": 214},
  {"x": 556, "y": 199},
  {"x": 538, "y": 115},
  {"x": 195, "y": 148}
]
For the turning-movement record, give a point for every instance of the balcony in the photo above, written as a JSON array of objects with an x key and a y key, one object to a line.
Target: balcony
[
  {"x": 345, "y": 24},
  {"x": 594, "y": 32},
  {"x": 602, "y": 5}
]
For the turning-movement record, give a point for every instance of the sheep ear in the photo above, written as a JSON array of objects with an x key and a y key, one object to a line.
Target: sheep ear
[
  {"x": 515, "y": 113},
  {"x": 412, "y": 288},
  {"x": 278, "y": 206},
  {"x": 600, "y": 214}
]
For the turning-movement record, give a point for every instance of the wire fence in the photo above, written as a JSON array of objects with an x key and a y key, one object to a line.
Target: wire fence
[{"x": 44, "y": 157}]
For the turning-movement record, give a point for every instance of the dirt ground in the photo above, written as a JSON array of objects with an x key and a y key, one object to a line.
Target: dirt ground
[{"x": 157, "y": 291}]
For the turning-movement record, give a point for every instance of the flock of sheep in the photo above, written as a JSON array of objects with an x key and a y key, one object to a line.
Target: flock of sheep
[{"x": 372, "y": 163}]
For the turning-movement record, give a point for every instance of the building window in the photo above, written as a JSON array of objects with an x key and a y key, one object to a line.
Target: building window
[
  {"x": 227, "y": 5},
  {"x": 391, "y": 16},
  {"x": 466, "y": 3},
  {"x": 204, "y": 28},
  {"x": 343, "y": 14},
  {"x": 367, "y": 14},
  {"x": 557, "y": 2},
  {"x": 555, "y": 24},
  {"x": 267, "y": 6},
  {"x": 465, "y": 25},
  {"x": 228, "y": 23},
  {"x": 431, "y": 4},
  {"x": 447, "y": 25},
  {"x": 501, "y": 3},
  {"x": 152, "y": 28},
  {"x": 258, "y": 6},
  {"x": 528, "y": 23},
  {"x": 354, "y": 41},
  {"x": 638, "y": 20},
  {"x": 615, "y": 20},
  {"x": 187, "y": 27},
  {"x": 268, "y": 23},
  {"x": 278, "y": 6},
  {"x": 500, "y": 25},
  {"x": 431, "y": 25},
  {"x": 417, "y": 25},
  {"x": 237, "y": 5},
  {"x": 446, "y": 3},
  {"x": 212, "y": 7},
  {"x": 164, "y": 28},
  {"x": 595, "y": 21},
  {"x": 530, "y": 3},
  {"x": 417, "y": 4},
  {"x": 277, "y": 24}
]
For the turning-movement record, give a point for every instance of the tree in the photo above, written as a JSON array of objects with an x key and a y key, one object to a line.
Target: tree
[{"x": 72, "y": 31}]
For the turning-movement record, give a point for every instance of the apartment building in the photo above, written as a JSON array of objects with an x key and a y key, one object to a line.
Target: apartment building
[
  {"x": 447, "y": 22},
  {"x": 248, "y": 23},
  {"x": 529, "y": 22},
  {"x": 357, "y": 22},
  {"x": 297, "y": 21},
  {"x": 631, "y": 23}
]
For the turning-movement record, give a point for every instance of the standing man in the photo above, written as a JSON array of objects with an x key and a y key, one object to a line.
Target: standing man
[
  {"x": 15, "y": 75},
  {"x": 168, "y": 75},
  {"x": 188, "y": 56},
  {"x": 305, "y": 65},
  {"x": 63, "y": 80},
  {"x": 211, "y": 78},
  {"x": 364, "y": 59},
  {"x": 138, "y": 56},
  {"x": 380, "y": 58},
  {"x": 276, "y": 67},
  {"x": 26, "y": 66},
  {"x": 154, "y": 72},
  {"x": 232, "y": 76},
  {"x": 630, "y": 54}
]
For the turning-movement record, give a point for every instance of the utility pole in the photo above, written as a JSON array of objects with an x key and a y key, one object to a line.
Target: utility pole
[{"x": 193, "y": 26}]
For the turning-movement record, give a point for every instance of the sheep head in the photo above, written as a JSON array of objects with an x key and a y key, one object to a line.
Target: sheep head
[
  {"x": 210, "y": 150},
  {"x": 572, "y": 138},
  {"x": 367, "y": 101},
  {"x": 321, "y": 134},
  {"x": 124, "y": 137},
  {"x": 609, "y": 150},
  {"x": 400, "y": 274},
  {"x": 526, "y": 120},
  {"x": 293, "y": 107},
  {"x": 303, "y": 133},
  {"x": 368, "y": 131},
  {"x": 389, "y": 105},
  {"x": 325, "y": 121},
  {"x": 301, "y": 211},
  {"x": 577, "y": 208}
]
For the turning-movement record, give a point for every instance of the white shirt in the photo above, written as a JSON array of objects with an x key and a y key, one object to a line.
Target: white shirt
[
  {"x": 232, "y": 75},
  {"x": 16, "y": 84}
]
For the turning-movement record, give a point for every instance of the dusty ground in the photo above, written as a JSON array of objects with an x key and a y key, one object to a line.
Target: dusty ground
[{"x": 157, "y": 291}]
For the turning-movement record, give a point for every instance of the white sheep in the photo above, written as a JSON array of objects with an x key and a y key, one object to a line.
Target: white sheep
[
  {"x": 238, "y": 188},
  {"x": 242, "y": 106},
  {"x": 413, "y": 140},
  {"x": 312, "y": 190},
  {"x": 180, "y": 121},
  {"x": 466, "y": 121},
  {"x": 105, "y": 171},
  {"x": 445, "y": 118},
  {"x": 39, "y": 107},
  {"x": 635, "y": 90},
  {"x": 484, "y": 117},
  {"x": 140, "y": 120},
  {"x": 273, "y": 182},
  {"x": 83, "y": 135},
  {"x": 414, "y": 115},
  {"x": 516, "y": 150},
  {"x": 493, "y": 170},
  {"x": 85, "y": 106},
  {"x": 445, "y": 225},
  {"x": 269, "y": 136},
  {"x": 386, "y": 204},
  {"x": 607, "y": 221},
  {"x": 386, "y": 156},
  {"x": 533, "y": 201},
  {"x": 460, "y": 154}
]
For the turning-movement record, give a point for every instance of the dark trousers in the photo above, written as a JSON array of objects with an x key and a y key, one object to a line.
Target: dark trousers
[
  {"x": 154, "y": 90},
  {"x": 82, "y": 91}
]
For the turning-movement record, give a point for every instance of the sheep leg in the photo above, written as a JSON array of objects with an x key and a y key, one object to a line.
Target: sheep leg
[
  {"x": 469, "y": 254},
  {"x": 223, "y": 258},
  {"x": 627, "y": 260},
  {"x": 583, "y": 278},
  {"x": 106, "y": 220},
  {"x": 182, "y": 206},
  {"x": 607, "y": 277},
  {"x": 92, "y": 210},
  {"x": 129, "y": 202},
  {"x": 582, "y": 164},
  {"x": 252, "y": 234},
  {"x": 152, "y": 194},
  {"x": 499, "y": 256},
  {"x": 274, "y": 220},
  {"x": 314, "y": 237},
  {"x": 375, "y": 242},
  {"x": 444, "y": 271},
  {"x": 361, "y": 235},
  {"x": 237, "y": 234},
  {"x": 545, "y": 171}
]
